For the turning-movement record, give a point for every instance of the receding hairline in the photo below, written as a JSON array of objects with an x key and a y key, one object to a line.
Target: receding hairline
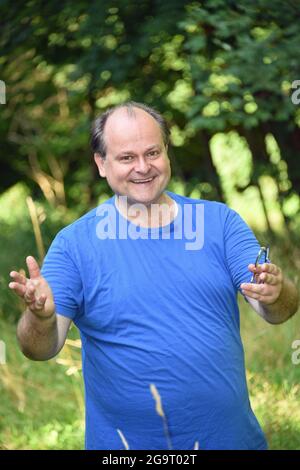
[{"x": 132, "y": 112}]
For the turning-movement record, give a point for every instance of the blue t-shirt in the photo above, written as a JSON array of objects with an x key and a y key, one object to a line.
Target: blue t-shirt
[{"x": 159, "y": 306}]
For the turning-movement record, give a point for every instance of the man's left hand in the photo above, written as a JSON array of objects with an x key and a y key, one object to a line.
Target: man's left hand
[{"x": 268, "y": 286}]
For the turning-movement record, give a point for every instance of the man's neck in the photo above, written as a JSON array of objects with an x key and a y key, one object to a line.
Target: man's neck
[{"x": 157, "y": 214}]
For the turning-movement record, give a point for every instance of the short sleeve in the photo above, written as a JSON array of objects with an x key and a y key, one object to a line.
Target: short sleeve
[
  {"x": 60, "y": 271},
  {"x": 241, "y": 248}
]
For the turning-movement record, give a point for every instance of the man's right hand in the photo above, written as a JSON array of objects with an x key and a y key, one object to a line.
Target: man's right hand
[{"x": 35, "y": 290}]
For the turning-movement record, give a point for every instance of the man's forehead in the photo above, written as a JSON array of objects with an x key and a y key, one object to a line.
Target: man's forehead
[{"x": 128, "y": 121}]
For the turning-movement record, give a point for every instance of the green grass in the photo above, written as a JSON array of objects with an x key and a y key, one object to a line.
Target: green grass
[
  {"x": 273, "y": 380},
  {"x": 41, "y": 406}
]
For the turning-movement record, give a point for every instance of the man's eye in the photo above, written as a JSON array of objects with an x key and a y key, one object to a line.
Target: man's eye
[
  {"x": 153, "y": 153},
  {"x": 126, "y": 158}
]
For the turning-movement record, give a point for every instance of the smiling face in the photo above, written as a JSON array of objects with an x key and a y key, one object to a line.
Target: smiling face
[{"x": 136, "y": 163}]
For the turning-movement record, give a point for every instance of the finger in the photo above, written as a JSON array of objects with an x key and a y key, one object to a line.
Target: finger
[
  {"x": 270, "y": 268},
  {"x": 266, "y": 268},
  {"x": 40, "y": 302},
  {"x": 255, "y": 273},
  {"x": 19, "y": 289},
  {"x": 33, "y": 267},
  {"x": 17, "y": 277},
  {"x": 252, "y": 269},
  {"x": 261, "y": 298},
  {"x": 255, "y": 268},
  {"x": 29, "y": 295},
  {"x": 261, "y": 289},
  {"x": 269, "y": 279}
]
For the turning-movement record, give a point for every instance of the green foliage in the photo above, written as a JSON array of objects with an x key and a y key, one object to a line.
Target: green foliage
[
  {"x": 241, "y": 58},
  {"x": 17, "y": 238},
  {"x": 210, "y": 67}
]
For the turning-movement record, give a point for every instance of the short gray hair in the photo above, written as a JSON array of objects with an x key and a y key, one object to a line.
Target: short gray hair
[{"x": 97, "y": 132}]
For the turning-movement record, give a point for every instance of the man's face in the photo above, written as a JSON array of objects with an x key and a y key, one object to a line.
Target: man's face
[{"x": 136, "y": 163}]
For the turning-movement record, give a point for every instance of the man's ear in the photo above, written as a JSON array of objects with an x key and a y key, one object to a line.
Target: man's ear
[{"x": 100, "y": 164}]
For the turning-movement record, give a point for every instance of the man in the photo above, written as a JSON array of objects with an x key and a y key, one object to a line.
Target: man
[{"x": 153, "y": 307}]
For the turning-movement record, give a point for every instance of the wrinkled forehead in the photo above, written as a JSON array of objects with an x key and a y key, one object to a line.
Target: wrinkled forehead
[{"x": 129, "y": 128}]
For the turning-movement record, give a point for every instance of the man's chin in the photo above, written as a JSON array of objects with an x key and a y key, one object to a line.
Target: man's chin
[{"x": 146, "y": 200}]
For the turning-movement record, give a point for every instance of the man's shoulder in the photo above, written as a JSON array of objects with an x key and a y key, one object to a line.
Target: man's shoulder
[
  {"x": 212, "y": 205},
  {"x": 83, "y": 223}
]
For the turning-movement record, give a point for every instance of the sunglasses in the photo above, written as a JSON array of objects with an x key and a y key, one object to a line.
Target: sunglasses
[{"x": 262, "y": 257}]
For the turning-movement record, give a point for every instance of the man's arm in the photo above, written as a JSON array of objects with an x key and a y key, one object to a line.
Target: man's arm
[
  {"x": 41, "y": 339},
  {"x": 274, "y": 297},
  {"x": 40, "y": 331}
]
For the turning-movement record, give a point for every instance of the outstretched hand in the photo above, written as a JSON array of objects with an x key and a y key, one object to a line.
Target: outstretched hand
[
  {"x": 268, "y": 286},
  {"x": 35, "y": 290}
]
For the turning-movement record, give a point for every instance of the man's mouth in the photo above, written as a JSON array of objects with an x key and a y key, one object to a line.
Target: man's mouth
[{"x": 143, "y": 181}]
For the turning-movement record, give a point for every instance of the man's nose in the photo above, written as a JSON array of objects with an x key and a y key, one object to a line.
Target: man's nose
[{"x": 142, "y": 165}]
